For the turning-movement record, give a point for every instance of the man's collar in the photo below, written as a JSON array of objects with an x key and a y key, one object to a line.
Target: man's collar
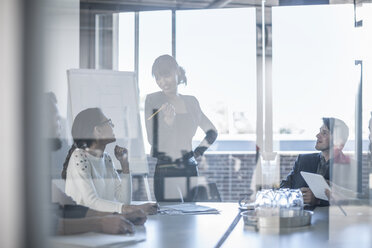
[{"x": 322, "y": 158}]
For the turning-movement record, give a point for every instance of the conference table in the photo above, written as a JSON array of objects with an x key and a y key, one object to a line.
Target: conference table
[{"x": 329, "y": 228}]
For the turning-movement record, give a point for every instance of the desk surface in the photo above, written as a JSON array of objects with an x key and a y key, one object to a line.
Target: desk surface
[{"x": 329, "y": 228}]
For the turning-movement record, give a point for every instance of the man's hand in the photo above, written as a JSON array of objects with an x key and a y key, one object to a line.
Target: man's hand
[
  {"x": 328, "y": 194},
  {"x": 122, "y": 155},
  {"x": 309, "y": 197},
  {"x": 115, "y": 224},
  {"x": 333, "y": 196},
  {"x": 137, "y": 216}
]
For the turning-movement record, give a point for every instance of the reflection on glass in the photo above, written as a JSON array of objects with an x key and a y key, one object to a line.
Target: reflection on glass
[
  {"x": 68, "y": 217},
  {"x": 282, "y": 202},
  {"x": 303, "y": 69},
  {"x": 221, "y": 66},
  {"x": 126, "y": 42}
]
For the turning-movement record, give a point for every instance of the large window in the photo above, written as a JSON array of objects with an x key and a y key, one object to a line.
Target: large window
[
  {"x": 314, "y": 72},
  {"x": 126, "y": 42},
  {"x": 365, "y": 52},
  {"x": 218, "y": 50},
  {"x": 312, "y": 68},
  {"x": 155, "y": 39}
]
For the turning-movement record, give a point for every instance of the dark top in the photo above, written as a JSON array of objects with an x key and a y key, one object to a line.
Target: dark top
[
  {"x": 309, "y": 163},
  {"x": 66, "y": 212},
  {"x": 175, "y": 140},
  {"x": 65, "y": 208}
]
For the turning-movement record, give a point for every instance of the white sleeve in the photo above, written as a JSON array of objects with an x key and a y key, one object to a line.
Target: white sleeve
[
  {"x": 123, "y": 184},
  {"x": 80, "y": 187},
  {"x": 123, "y": 188}
]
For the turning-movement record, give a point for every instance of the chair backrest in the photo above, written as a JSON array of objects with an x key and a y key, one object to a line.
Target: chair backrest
[
  {"x": 214, "y": 194},
  {"x": 205, "y": 193}
]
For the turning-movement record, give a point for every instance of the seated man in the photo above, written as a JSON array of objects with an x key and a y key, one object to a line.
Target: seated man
[{"x": 333, "y": 131}]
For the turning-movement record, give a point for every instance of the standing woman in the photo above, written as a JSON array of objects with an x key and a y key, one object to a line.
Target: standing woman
[
  {"x": 91, "y": 178},
  {"x": 176, "y": 118}
]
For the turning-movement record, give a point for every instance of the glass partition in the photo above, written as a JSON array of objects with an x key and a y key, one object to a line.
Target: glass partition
[
  {"x": 218, "y": 50},
  {"x": 314, "y": 74},
  {"x": 73, "y": 92},
  {"x": 126, "y": 41},
  {"x": 207, "y": 48},
  {"x": 319, "y": 70}
]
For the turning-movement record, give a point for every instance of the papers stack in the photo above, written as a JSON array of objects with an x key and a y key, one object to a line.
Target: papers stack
[{"x": 186, "y": 208}]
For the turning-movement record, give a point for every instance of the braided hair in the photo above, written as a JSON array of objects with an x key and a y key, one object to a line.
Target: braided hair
[{"x": 83, "y": 132}]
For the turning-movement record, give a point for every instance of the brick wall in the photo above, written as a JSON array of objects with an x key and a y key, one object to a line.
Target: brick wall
[{"x": 232, "y": 174}]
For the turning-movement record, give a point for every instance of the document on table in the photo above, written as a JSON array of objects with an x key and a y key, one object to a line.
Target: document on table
[
  {"x": 317, "y": 184},
  {"x": 186, "y": 208},
  {"x": 89, "y": 240}
]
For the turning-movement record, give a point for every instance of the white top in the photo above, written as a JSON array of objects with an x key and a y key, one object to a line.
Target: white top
[{"x": 93, "y": 182}]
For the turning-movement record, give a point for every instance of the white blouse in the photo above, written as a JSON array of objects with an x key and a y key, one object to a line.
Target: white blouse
[{"x": 93, "y": 182}]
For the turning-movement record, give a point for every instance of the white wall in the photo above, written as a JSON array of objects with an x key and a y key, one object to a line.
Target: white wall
[
  {"x": 10, "y": 135},
  {"x": 61, "y": 47}
]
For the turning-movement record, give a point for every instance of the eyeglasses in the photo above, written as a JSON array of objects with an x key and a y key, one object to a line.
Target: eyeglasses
[{"x": 109, "y": 121}]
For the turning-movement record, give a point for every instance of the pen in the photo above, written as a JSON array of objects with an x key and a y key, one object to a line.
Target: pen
[
  {"x": 155, "y": 113},
  {"x": 179, "y": 191},
  {"x": 229, "y": 230},
  {"x": 343, "y": 211}
]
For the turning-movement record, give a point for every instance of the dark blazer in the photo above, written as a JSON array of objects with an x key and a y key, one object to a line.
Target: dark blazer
[{"x": 307, "y": 163}]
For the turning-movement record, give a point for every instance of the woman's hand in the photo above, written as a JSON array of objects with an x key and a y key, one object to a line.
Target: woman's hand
[
  {"x": 122, "y": 155},
  {"x": 115, "y": 224},
  {"x": 149, "y": 208},
  {"x": 137, "y": 216},
  {"x": 169, "y": 113}
]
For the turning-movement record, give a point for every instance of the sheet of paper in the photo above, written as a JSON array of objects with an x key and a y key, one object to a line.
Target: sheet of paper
[
  {"x": 97, "y": 239},
  {"x": 317, "y": 184},
  {"x": 187, "y": 208}
]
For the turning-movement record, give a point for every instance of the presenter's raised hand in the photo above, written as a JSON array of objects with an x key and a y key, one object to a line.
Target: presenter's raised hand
[
  {"x": 169, "y": 113},
  {"x": 122, "y": 155},
  {"x": 115, "y": 224}
]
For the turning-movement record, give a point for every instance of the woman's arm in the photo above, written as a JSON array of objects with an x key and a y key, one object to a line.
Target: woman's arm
[
  {"x": 123, "y": 185},
  {"x": 149, "y": 108},
  {"x": 123, "y": 188},
  {"x": 211, "y": 134},
  {"x": 79, "y": 185},
  {"x": 112, "y": 224}
]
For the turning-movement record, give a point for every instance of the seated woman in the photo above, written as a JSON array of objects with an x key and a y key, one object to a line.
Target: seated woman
[
  {"x": 69, "y": 218},
  {"x": 91, "y": 178}
]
